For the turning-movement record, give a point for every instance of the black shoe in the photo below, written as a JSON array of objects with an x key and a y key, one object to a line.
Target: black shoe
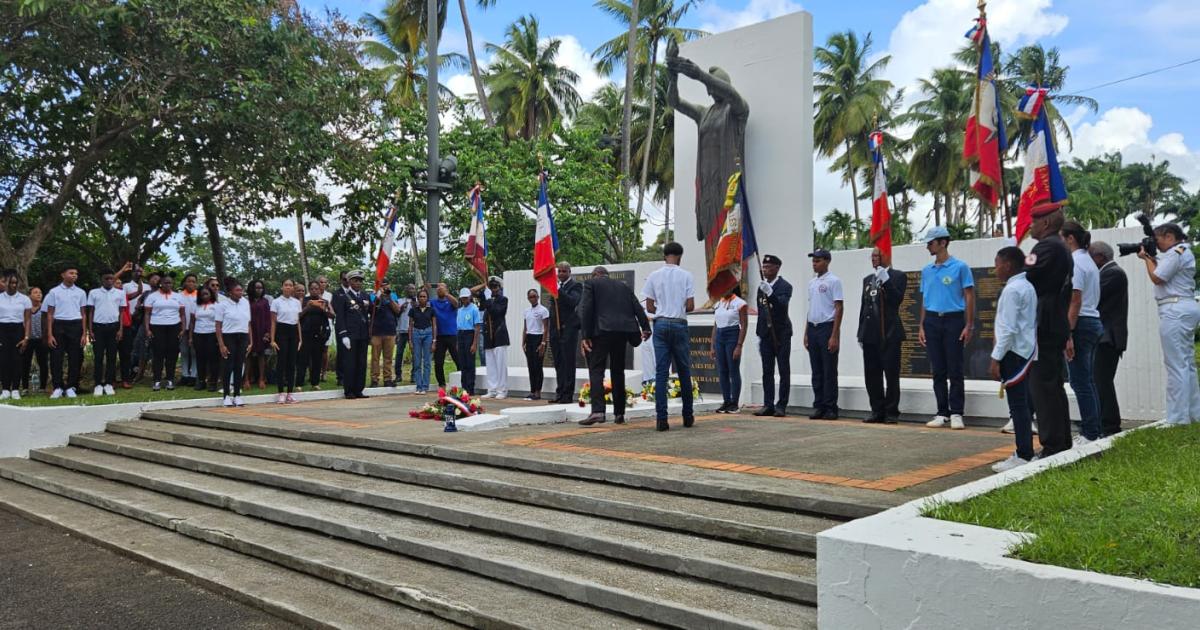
[
  {"x": 891, "y": 420},
  {"x": 873, "y": 420},
  {"x": 765, "y": 411},
  {"x": 817, "y": 414},
  {"x": 374, "y": 383},
  {"x": 780, "y": 412},
  {"x": 389, "y": 383},
  {"x": 595, "y": 418},
  {"x": 619, "y": 419},
  {"x": 733, "y": 408},
  {"x": 724, "y": 408},
  {"x": 199, "y": 386},
  {"x": 362, "y": 395},
  {"x": 212, "y": 387},
  {"x": 830, "y": 414},
  {"x": 688, "y": 422},
  {"x": 662, "y": 427}
]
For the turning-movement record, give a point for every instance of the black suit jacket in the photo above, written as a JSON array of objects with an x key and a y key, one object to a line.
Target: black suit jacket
[
  {"x": 773, "y": 311},
  {"x": 495, "y": 325},
  {"x": 567, "y": 303},
  {"x": 882, "y": 303},
  {"x": 609, "y": 306},
  {"x": 1050, "y": 274},
  {"x": 1114, "y": 306},
  {"x": 353, "y": 316}
]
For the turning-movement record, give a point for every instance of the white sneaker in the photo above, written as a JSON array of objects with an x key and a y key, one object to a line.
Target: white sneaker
[
  {"x": 956, "y": 421},
  {"x": 57, "y": 393},
  {"x": 490, "y": 395},
  {"x": 5, "y": 395},
  {"x": 1080, "y": 441},
  {"x": 70, "y": 392},
  {"x": 157, "y": 386},
  {"x": 109, "y": 391},
  {"x": 1012, "y": 462},
  {"x": 501, "y": 396},
  {"x": 938, "y": 422},
  {"x": 16, "y": 395},
  {"x": 279, "y": 398},
  {"x": 228, "y": 402},
  {"x": 237, "y": 401},
  {"x": 1008, "y": 428},
  {"x": 98, "y": 391}
]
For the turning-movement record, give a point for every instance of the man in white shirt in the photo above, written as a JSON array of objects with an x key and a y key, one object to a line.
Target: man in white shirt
[
  {"x": 822, "y": 335},
  {"x": 1015, "y": 349},
  {"x": 1083, "y": 314},
  {"x": 105, "y": 304},
  {"x": 670, "y": 295},
  {"x": 66, "y": 331}
]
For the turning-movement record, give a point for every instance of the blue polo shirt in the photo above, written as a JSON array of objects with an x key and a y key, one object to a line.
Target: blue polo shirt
[
  {"x": 469, "y": 317},
  {"x": 444, "y": 309},
  {"x": 942, "y": 285}
]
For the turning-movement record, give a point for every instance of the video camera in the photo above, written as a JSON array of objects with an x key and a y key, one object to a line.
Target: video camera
[{"x": 1148, "y": 243}]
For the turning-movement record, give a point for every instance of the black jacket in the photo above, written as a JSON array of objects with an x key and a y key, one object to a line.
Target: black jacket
[
  {"x": 566, "y": 306},
  {"x": 609, "y": 306},
  {"x": 353, "y": 316},
  {"x": 1048, "y": 268},
  {"x": 1114, "y": 306},
  {"x": 879, "y": 316},
  {"x": 773, "y": 311},
  {"x": 495, "y": 326}
]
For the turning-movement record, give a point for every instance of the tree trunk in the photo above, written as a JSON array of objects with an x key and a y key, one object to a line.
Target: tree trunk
[
  {"x": 649, "y": 130},
  {"x": 482, "y": 96},
  {"x": 853, "y": 184},
  {"x": 937, "y": 209},
  {"x": 627, "y": 114},
  {"x": 950, "y": 215},
  {"x": 214, "y": 239},
  {"x": 301, "y": 242},
  {"x": 416, "y": 263},
  {"x": 667, "y": 225}
]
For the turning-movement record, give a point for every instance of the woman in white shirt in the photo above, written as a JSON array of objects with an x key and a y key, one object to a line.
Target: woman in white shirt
[
  {"x": 285, "y": 340},
  {"x": 233, "y": 340},
  {"x": 15, "y": 322},
  {"x": 202, "y": 336},
  {"x": 533, "y": 343},
  {"x": 729, "y": 332},
  {"x": 165, "y": 314}
]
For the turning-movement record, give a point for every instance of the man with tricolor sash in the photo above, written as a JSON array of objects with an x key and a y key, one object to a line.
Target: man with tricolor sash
[{"x": 1014, "y": 349}]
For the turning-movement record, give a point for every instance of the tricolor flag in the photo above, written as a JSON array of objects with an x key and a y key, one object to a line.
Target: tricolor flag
[
  {"x": 1031, "y": 103},
  {"x": 881, "y": 217},
  {"x": 477, "y": 238},
  {"x": 385, "y": 247},
  {"x": 1042, "y": 187},
  {"x": 545, "y": 242},
  {"x": 984, "y": 140},
  {"x": 736, "y": 244}
]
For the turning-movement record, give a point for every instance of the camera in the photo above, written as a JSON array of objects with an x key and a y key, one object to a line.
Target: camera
[{"x": 1147, "y": 243}]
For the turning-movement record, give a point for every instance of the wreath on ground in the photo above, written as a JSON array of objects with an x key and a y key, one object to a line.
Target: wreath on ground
[
  {"x": 585, "y": 395},
  {"x": 674, "y": 389},
  {"x": 455, "y": 397}
]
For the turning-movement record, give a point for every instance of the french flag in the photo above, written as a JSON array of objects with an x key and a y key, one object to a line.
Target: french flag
[
  {"x": 545, "y": 242},
  {"x": 1042, "y": 187},
  {"x": 881, "y": 217},
  {"x": 978, "y": 30},
  {"x": 386, "y": 247},
  {"x": 477, "y": 237},
  {"x": 984, "y": 140},
  {"x": 1031, "y": 103}
]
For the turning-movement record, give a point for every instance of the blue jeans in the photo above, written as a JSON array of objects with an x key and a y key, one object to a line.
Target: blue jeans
[
  {"x": 671, "y": 346},
  {"x": 1079, "y": 372},
  {"x": 946, "y": 361},
  {"x": 728, "y": 368},
  {"x": 422, "y": 342},
  {"x": 1019, "y": 404}
]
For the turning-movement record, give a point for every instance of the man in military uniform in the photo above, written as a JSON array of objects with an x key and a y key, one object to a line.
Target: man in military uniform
[
  {"x": 354, "y": 334},
  {"x": 774, "y": 330},
  {"x": 880, "y": 333},
  {"x": 1173, "y": 272},
  {"x": 1048, "y": 268}
]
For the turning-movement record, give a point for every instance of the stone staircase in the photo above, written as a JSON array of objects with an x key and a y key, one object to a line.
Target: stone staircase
[{"x": 338, "y": 535}]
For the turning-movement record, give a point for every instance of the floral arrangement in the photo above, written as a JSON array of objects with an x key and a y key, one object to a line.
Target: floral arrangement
[
  {"x": 585, "y": 394},
  {"x": 434, "y": 411},
  {"x": 674, "y": 389}
]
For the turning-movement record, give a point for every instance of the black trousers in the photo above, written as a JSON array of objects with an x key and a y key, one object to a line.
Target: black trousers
[
  {"x": 565, "y": 344},
  {"x": 608, "y": 351},
  {"x": 537, "y": 375},
  {"x": 67, "y": 334},
  {"x": 1104, "y": 370},
  {"x": 10, "y": 356},
  {"x": 235, "y": 364},
  {"x": 824, "y": 367},
  {"x": 445, "y": 343},
  {"x": 35, "y": 349},
  {"x": 466, "y": 364},
  {"x": 311, "y": 358},
  {"x": 165, "y": 347},
  {"x": 1050, "y": 399},
  {"x": 773, "y": 355},
  {"x": 287, "y": 337},
  {"x": 104, "y": 353},
  {"x": 354, "y": 375},
  {"x": 125, "y": 352},
  {"x": 881, "y": 363},
  {"x": 208, "y": 358}
]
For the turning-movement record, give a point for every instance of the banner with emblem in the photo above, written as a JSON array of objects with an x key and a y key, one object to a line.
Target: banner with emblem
[
  {"x": 736, "y": 243},
  {"x": 1042, "y": 187},
  {"x": 384, "y": 259},
  {"x": 984, "y": 141},
  {"x": 881, "y": 216},
  {"x": 476, "y": 250},
  {"x": 545, "y": 241}
]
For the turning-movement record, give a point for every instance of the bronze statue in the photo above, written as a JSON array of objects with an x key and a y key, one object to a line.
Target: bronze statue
[{"x": 721, "y": 138}]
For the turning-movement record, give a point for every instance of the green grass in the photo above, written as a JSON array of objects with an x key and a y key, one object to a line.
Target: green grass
[
  {"x": 142, "y": 393},
  {"x": 1133, "y": 510}
]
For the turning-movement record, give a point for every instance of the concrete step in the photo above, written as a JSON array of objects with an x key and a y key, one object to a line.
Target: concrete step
[
  {"x": 813, "y": 502},
  {"x": 778, "y": 573},
  {"x": 611, "y": 585},
  {"x": 302, "y": 599},
  {"x": 443, "y": 594}
]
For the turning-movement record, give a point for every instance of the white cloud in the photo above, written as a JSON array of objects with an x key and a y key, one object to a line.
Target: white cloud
[
  {"x": 1129, "y": 130},
  {"x": 571, "y": 54},
  {"x": 718, "y": 20}
]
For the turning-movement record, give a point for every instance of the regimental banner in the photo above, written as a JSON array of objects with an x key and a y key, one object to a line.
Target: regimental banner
[
  {"x": 704, "y": 366},
  {"x": 914, "y": 360}
]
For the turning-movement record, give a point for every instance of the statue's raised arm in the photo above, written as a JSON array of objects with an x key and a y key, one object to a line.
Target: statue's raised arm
[{"x": 675, "y": 66}]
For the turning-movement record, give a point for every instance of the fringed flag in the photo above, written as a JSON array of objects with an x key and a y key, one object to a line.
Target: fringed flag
[
  {"x": 881, "y": 216},
  {"x": 384, "y": 260},
  {"x": 736, "y": 243},
  {"x": 477, "y": 238},
  {"x": 1042, "y": 187},
  {"x": 545, "y": 242},
  {"x": 984, "y": 140}
]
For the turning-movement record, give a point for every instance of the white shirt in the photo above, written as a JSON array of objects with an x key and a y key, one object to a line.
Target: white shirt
[
  {"x": 234, "y": 316},
  {"x": 1086, "y": 280},
  {"x": 535, "y": 319},
  {"x": 68, "y": 303},
  {"x": 13, "y": 307},
  {"x": 1016, "y": 319},
  {"x": 189, "y": 305},
  {"x": 132, "y": 288},
  {"x": 106, "y": 305},
  {"x": 164, "y": 308},
  {"x": 1177, "y": 267},
  {"x": 206, "y": 319},
  {"x": 287, "y": 310},
  {"x": 823, "y": 291},
  {"x": 670, "y": 287},
  {"x": 728, "y": 312}
]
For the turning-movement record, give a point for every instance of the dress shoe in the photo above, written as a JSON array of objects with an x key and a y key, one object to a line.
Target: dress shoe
[
  {"x": 817, "y": 414},
  {"x": 688, "y": 422},
  {"x": 873, "y": 420},
  {"x": 362, "y": 395},
  {"x": 780, "y": 412},
  {"x": 829, "y": 414},
  {"x": 662, "y": 427},
  {"x": 891, "y": 420},
  {"x": 765, "y": 411},
  {"x": 596, "y": 418},
  {"x": 619, "y": 419}
]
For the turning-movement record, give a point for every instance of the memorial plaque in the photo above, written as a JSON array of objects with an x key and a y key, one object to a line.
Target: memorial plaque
[
  {"x": 704, "y": 366},
  {"x": 914, "y": 360},
  {"x": 625, "y": 276}
]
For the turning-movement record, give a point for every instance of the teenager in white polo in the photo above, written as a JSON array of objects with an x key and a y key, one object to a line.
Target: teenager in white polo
[
  {"x": 66, "y": 331},
  {"x": 105, "y": 304}
]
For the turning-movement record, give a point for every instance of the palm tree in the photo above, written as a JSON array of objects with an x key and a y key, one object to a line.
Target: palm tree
[
  {"x": 1184, "y": 207},
  {"x": 849, "y": 97},
  {"x": 401, "y": 59},
  {"x": 529, "y": 90},
  {"x": 839, "y": 229},
  {"x": 939, "y": 119},
  {"x": 656, "y": 162},
  {"x": 481, "y": 95},
  {"x": 602, "y": 114},
  {"x": 1151, "y": 183},
  {"x": 1034, "y": 65}
]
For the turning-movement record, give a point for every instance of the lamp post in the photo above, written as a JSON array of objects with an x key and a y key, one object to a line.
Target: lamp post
[{"x": 433, "y": 230}]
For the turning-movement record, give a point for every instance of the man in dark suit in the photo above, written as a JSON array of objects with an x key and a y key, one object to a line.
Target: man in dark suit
[
  {"x": 881, "y": 333},
  {"x": 353, "y": 312},
  {"x": 1114, "y": 315},
  {"x": 1048, "y": 268},
  {"x": 339, "y": 294},
  {"x": 774, "y": 330},
  {"x": 611, "y": 319},
  {"x": 564, "y": 333}
]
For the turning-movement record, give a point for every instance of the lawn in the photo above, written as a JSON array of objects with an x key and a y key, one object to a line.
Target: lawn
[{"x": 1133, "y": 510}]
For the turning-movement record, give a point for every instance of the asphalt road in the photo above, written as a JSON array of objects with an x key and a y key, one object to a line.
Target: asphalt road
[{"x": 51, "y": 579}]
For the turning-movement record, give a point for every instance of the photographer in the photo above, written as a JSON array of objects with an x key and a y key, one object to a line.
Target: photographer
[{"x": 1173, "y": 273}]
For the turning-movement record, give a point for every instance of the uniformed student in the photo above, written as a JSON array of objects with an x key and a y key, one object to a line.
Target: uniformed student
[
  {"x": 1049, "y": 268},
  {"x": 354, "y": 333},
  {"x": 947, "y": 322},
  {"x": 822, "y": 335},
  {"x": 1013, "y": 348},
  {"x": 66, "y": 332},
  {"x": 1173, "y": 272},
  {"x": 881, "y": 334},
  {"x": 774, "y": 330},
  {"x": 106, "y": 304},
  {"x": 468, "y": 321},
  {"x": 232, "y": 326},
  {"x": 16, "y": 324},
  {"x": 286, "y": 340}
]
